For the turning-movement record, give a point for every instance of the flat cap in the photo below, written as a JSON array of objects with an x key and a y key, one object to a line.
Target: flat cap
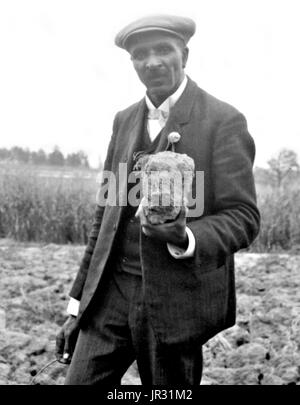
[{"x": 182, "y": 27}]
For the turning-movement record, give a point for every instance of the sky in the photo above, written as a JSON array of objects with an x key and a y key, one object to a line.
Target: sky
[{"x": 62, "y": 79}]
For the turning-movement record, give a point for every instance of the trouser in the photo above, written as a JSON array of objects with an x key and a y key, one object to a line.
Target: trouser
[{"x": 118, "y": 332}]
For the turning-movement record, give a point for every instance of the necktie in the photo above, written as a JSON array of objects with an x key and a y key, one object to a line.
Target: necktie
[{"x": 159, "y": 115}]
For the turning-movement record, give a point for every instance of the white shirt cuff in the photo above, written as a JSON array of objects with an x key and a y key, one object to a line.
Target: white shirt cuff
[
  {"x": 179, "y": 253},
  {"x": 73, "y": 307}
]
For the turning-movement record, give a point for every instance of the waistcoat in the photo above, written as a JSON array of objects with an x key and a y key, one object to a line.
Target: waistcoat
[{"x": 129, "y": 232}]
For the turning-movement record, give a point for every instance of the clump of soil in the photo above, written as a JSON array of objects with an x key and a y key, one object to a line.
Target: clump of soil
[{"x": 262, "y": 348}]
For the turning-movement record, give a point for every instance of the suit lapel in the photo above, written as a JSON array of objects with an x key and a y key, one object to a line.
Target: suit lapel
[
  {"x": 181, "y": 112},
  {"x": 179, "y": 115},
  {"x": 132, "y": 138},
  {"x": 134, "y": 133}
]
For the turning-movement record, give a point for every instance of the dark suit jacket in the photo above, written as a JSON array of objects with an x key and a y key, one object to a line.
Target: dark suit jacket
[{"x": 188, "y": 299}]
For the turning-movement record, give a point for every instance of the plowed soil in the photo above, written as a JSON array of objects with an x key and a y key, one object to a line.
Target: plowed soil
[{"x": 262, "y": 348}]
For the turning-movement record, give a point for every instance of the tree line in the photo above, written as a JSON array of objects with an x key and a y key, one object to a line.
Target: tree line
[
  {"x": 40, "y": 157},
  {"x": 283, "y": 169}
]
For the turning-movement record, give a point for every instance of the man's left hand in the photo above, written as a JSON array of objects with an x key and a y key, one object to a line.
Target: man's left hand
[{"x": 170, "y": 232}]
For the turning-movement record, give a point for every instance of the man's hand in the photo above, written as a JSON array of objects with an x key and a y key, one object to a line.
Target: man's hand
[
  {"x": 170, "y": 232},
  {"x": 66, "y": 340}
]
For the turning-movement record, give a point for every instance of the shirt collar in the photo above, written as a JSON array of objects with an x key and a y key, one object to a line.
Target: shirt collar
[{"x": 170, "y": 101}]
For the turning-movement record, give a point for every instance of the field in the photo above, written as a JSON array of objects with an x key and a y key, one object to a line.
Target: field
[
  {"x": 44, "y": 204},
  {"x": 262, "y": 348},
  {"x": 45, "y": 216}
]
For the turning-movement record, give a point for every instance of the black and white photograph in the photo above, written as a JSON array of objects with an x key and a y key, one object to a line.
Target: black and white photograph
[{"x": 149, "y": 195}]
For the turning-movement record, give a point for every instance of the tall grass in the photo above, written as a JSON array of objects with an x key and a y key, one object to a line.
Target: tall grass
[
  {"x": 60, "y": 210},
  {"x": 280, "y": 220},
  {"x": 45, "y": 209}
]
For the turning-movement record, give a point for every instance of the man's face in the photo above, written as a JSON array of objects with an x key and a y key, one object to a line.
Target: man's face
[{"x": 159, "y": 60}]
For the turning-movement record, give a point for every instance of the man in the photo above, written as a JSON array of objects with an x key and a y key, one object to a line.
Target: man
[{"x": 157, "y": 293}]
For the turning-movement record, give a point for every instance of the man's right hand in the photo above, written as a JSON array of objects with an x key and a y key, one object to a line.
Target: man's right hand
[{"x": 66, "y": 340}]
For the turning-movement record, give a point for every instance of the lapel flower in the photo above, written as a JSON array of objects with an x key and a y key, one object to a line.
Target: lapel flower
[{"x": 173, "y": 138}]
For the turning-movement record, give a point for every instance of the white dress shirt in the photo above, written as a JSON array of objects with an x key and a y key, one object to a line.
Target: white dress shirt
[{"x": 154, "y": 127}]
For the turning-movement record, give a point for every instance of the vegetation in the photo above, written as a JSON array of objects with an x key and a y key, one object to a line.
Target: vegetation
[
  {"x": 57, "y": 205},
  {"x": 45, "y": 206},
  {"x": 280, "y": 221},
  {"x": 284, "y": 164},
  {"x": 55, "y": 158},
  {"x": 278, "y": 192}
]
